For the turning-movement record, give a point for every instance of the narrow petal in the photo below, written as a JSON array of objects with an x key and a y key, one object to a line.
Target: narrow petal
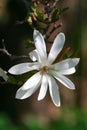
[
  {"x": 23, "y": 94},
  {"x": 64, "y": 80},
  {"x": 66, "y": 64},
  {"x": 54, "y": 92},
  {"x": 34, "y": 55},
  {"x": 23, "y": 68},
  {"x": 67, "y": 71},
  {"x": 3, "y": 74},
  {"x": 56, "y": 47},
  {"x": 40, "y": 45},
  {"x": 32, "y": 82},
  {"x": 44, "y": 86}
]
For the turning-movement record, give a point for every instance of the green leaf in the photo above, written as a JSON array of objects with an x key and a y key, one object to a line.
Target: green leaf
[
  {"x": 65, "y": 56},
  {"x": 12, "y": 79},
  {"x": 37, "y": 13},
  {"x": 56, "y": 13},
  {"x": 20, "y": 79},
  {"x": 28, "y": 43}
]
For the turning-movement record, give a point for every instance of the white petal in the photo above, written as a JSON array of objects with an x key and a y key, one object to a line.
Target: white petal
[
  {"x": 40, "y": 45},
  {"x": 32, "y": 81},
  {"x": 54, "y": 92},
  {"x": 3, "y": 74},
  {"x": 23, "y": 68},
  {"x": 56, "y": 47},
  {"x": 23, "y": 94},
  {"x": 34, "y": 55},
  {"x": 66, "y": 64},
  {"x": 64, "y": 80},
  {"x": 67, "y": 71},
  {"x": 44, "y": 86}
]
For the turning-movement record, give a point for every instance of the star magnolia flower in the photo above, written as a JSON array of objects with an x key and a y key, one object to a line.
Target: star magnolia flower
[
  {"x": 48, "y": 71},
  {"x": 3, "y": 74}
]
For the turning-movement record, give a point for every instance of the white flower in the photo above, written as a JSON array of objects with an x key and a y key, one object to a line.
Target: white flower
[
  {"x": 3, "y": 74},
  {"x": 47, "y": 71}
]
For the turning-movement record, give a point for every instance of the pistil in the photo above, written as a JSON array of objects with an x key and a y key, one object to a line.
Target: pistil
[{"x": 44, "y": 69}]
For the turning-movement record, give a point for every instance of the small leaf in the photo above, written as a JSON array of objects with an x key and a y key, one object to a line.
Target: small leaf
[
  {"x": 37, "y": 13},
  {"x": 56, "y": 13},
  {"x": 28, "y": 43},
  {"x": 12, "y": 79},
  {"x": 20, "y": 79}
]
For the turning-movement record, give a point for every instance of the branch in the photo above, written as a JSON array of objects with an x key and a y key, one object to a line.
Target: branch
[
  {"x": 4, "y": 51},
  {"x": 12, "y": 57}
]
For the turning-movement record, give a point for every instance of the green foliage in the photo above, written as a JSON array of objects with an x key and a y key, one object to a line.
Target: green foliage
[
  {"x": 28, "y": 43},
  {"x": 32, "y": 123},
  {"x": 6, "y": 124},
  {"x": 37, "y": 13},
  {"x": 57, "y": 12},
  {"x": 74, "y": 119},
  {"x": 70, "y": 120},
  {"x": 20, "y": 79}
]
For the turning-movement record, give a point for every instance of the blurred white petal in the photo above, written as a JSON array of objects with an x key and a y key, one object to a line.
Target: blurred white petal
[
  {"x": 23, "y": 94},
  {"x": 34, "y": 55},
  {"x": 67, "y": 71},
  {"x": 40, "y": 45},
  {"x": 66, "y": 64},
  {"x": 56, "y": 47},
  {"x": 23, "y": 68},
  {"x": 54, "y": 92},
  {"x": 64, "y": 80},
  {"x": 3, "y": 74},
  {"x": 32, "y": 81},
  {"x": 44, "y": 86}
]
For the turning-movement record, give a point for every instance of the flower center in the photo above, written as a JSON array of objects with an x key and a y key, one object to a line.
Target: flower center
[{"x": 44, "y": 69}]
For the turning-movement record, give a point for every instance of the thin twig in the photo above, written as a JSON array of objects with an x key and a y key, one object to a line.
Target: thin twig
[
  {"x": 12, "y": 57},
  {"x": 5, "y": 51}
]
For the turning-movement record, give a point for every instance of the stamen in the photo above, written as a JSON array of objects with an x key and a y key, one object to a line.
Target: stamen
[{"x": 44, "y": 69}]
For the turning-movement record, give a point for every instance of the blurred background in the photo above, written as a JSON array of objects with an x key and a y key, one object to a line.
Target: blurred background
[{"x": 30, "y": 114}]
